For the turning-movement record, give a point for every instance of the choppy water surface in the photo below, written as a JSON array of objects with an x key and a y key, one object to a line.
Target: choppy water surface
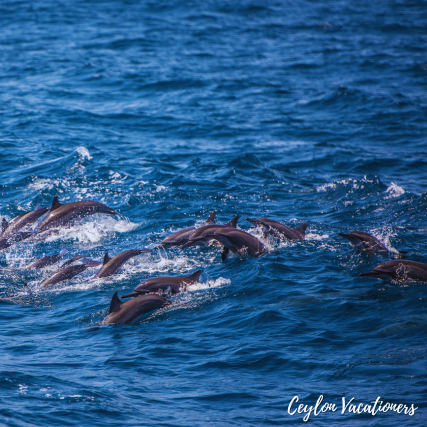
[{"x": 165, "y": 111}]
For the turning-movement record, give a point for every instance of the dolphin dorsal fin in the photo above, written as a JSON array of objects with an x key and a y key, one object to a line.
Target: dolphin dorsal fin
[
  {"x": 37, "y": 206},
  {"x": 211, "y": 219},
  {"x": 106, "y": 258},
  {"x": 55, "y": 204},
  {"x": 233, "y": 222},
  {"x": 194, "y": 277},
  {"x": 4, "y": 225},
  {"x": 301, "y": 229},
  {"x": 115, "y": 303}
]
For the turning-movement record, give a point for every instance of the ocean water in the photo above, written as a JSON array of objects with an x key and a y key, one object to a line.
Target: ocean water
[{"x": 167, "y": 111}]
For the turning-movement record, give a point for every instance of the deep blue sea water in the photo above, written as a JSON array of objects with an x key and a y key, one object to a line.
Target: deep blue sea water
[{"x": 298, "y": 111}]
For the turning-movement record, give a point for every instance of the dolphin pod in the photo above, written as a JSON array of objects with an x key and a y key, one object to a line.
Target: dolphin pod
[
  {"x": 130, "y": 311},
  {"x": 162, "y": 284},
  {"x": 146, "y": 296}
]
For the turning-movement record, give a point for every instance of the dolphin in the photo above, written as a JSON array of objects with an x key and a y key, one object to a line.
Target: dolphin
[
  {"x": 61, "y": 215},
  {"x": 364, "y": 241},
  {"x": 156, "y": 284},
  {"x": 68, "y": 272},
  {"x": 47, "y": 260},
  {"x": 400, "y": 270},
  {"x": 182, "y": 236},
  {"x": 235, "y": 240},
  {"x": 278, "y": 229},
  {"x": 200, "y": 236},
  {"x": 13, "y": 227},
  {"x": 112, "y": 265},
  {"x": 131, "y": 310},
  {"x": 70, "y": 261}
]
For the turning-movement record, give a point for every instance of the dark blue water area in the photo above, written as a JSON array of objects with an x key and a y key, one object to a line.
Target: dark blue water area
[{"x": 302, "y": 112}]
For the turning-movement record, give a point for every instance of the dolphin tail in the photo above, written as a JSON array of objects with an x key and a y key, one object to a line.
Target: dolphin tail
[
  {"x": 233, "y": 222},
  {"x": 194, "y": 277},
  {"x": 211, "y": 219}
]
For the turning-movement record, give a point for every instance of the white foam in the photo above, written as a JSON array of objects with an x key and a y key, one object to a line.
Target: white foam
[
  {"x": 160, "y": 188},
  {"x": 94, "y": 230},
  {"x": 84, "y": 152},
  {"x": 394, "y": 191},
  {"x": 210, "y": 284},
  {"x": 312, "y": 236}
]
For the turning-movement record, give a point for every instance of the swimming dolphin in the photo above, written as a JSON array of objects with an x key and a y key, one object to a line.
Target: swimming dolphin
[
  {"x": 364, "y": 241},
  {"x": 131, "y": 310},
  {"x": 156, "y": 284},
  {"x": 60, "y": 215},
  {"x": 400, "y": 270},
  {"x": 278, "y": 229},
  {"x": 111, "y": 265},
  {"x": 47, "y": 260},
  {"x": 200, "y": 236},
  {"x": 70, "y": 261},
  {"x": 235, "y": 240},
  {"x": 13, "y": 227},
  {"x": 69, "y": 272},
  {"x": 182, "y": 236}
]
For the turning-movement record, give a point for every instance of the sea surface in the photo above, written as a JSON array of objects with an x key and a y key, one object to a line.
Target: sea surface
[{"x": 166, "y": 111}]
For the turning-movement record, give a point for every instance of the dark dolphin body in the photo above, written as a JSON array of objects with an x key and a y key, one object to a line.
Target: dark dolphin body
[
  {"x": 201, "y": 235},
  {"x": 64, "y": 274},
  {"x": 61, "y": 215},
  {"x": 399, "y": 270},
  {"x": 70, "y": 261},
  {"x": 69, "y": 272},
  {"x": 182, "y": 236},
  {"x": 235, "y": 240},
  {"x": 130, "y": 311},
  {"x": 278, "y": 229},
  {"x": 13, "y": 227},
  {"x": 364, "y": 241},
  {"x": 46, "y": 261},
  {"x": 111, "y": 265},
  {"x": 156, "y": 284}
]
